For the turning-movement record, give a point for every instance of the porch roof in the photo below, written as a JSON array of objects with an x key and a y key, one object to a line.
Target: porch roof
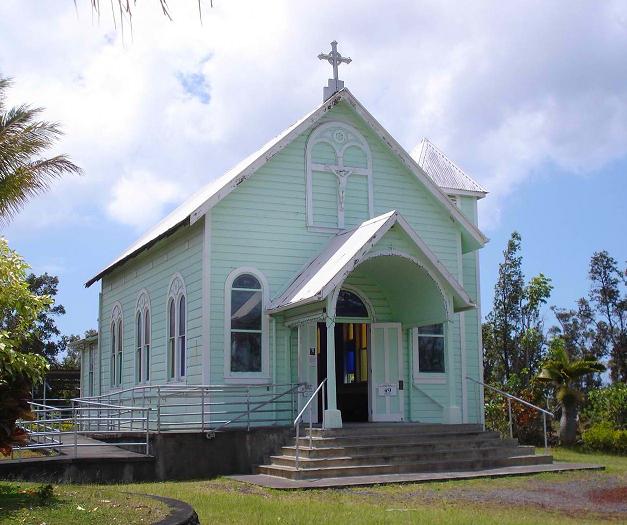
[{"x": 346, "y": 250}]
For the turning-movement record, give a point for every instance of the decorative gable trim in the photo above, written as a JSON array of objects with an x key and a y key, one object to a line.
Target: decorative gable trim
[{"x": 340, "y": 136}]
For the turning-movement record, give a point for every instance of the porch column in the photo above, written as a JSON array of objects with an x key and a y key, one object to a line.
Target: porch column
[{"x": 332, "y": 417}]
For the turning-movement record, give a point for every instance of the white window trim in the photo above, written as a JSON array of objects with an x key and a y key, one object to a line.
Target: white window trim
[
  {"x": 176, "y": 290},
  {"x": 117, "y": 324},
  {"x": 247, "y": 377},
  {"x": 433, "y": 378},
  {"x": 142, "y": 306},
  {"x": 316, "y": 138}
]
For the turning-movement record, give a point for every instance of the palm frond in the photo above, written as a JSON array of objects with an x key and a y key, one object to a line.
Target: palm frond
[{"x": 24, "y": 169}]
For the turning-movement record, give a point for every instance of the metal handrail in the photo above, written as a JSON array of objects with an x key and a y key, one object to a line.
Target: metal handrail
[
  {"x": 177, "y": 406},
  {"x": 509, "y": 407},
  {"x": 52, "y": 424},
  {"x": 212, "y": 433},
  {"x": 299, "y": 418}
]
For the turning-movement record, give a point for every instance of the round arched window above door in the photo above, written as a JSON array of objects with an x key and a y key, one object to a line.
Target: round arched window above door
[{"x": 349, "y": 304}]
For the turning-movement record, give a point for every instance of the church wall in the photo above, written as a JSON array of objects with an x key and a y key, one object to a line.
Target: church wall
[
  {"x": 262, "y": 224},
  {"x": 153, "y": 271}
]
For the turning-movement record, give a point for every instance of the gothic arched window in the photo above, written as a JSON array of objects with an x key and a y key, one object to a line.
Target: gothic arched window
[
  {"x": 142, "y": 338},
  {"x": 177, "y": 330},
  {"x": 115, "y": 371}
]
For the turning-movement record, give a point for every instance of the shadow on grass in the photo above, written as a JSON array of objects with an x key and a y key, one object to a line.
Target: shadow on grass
[{"x": 14, "y": 498}]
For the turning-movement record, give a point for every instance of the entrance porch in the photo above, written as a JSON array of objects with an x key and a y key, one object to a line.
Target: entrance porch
[{"x": 376, "y": 315}]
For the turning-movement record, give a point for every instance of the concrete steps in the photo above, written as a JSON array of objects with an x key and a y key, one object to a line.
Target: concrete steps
[{"x": 371, "y": 449}]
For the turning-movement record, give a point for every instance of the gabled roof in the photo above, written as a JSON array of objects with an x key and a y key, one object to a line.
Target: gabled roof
[
  {"x": 443, "y": 171},
  {"x": 202, "y": 201},
  {"x": 346, "y": 250}
]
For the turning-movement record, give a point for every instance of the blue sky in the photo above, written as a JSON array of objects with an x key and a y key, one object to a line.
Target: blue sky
[{"x": 530, "y": 98}]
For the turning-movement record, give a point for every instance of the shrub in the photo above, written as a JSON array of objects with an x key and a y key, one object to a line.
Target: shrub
[
  {"x": 609, "y": 405},
  {"x": 603, "y": 436}
]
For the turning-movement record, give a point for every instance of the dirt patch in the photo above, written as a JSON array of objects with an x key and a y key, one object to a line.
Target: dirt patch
[
  {"x": 609, "y": 496},
  {"x": 595, "y": 495},
  {"x": 603, "y": 496}
]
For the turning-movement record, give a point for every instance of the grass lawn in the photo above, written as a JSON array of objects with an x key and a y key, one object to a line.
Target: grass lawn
[
  {"x": 558, "y": 498},
  {"x": 69, "y": 504}
]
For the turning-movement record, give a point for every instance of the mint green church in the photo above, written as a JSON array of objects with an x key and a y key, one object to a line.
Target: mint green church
[{"x": 330, "y": 253}]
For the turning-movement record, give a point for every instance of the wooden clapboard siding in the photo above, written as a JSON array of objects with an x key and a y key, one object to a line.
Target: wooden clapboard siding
[{"x": 153, "y": 271}]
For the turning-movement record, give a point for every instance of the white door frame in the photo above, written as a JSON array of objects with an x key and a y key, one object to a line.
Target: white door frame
[{"x": 372, "y": 390}]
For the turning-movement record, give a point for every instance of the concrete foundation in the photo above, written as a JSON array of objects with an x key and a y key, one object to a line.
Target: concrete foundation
[{"x": 174, "y": 456}]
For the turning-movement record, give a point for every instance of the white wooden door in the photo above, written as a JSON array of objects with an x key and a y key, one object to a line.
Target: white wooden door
[
  {"x": 308, "y": 367},
  {"x": 386, "y": 358}
]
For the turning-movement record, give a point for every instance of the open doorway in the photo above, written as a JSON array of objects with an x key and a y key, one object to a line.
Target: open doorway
[{"x": 351, "y": 368}]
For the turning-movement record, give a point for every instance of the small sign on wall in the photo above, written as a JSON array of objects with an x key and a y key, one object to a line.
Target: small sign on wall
[
  {"x": 387, "y": 390},
  {"x": 312, "y": 357}
]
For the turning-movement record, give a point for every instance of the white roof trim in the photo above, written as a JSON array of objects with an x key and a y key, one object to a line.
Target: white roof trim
[
  {"x": 203, "y": 200},
  {"x": 345, "y": 251}
]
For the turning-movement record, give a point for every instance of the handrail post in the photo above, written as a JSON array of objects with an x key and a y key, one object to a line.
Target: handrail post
[
  {"x": 75, "y": 429},
  {"x": 509, "y": 409},
  {"x": 158, "y": 409},
  {"x": 297, "y": 443},
  {"x": 147, "y": 423},
  {"x": 546, "y": 441},
  {"x": 324, "y": 401},
  {"x": 202, "y": 409},
  {"x": 132, "y": 412},
  {"x": 310, "y": 426},
  {"x": 248, "y": 409}
]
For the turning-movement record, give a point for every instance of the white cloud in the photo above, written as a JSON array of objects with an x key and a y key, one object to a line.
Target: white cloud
[
  {"x": 502, "y": 87},
  {"x": 139, "y": 197}
]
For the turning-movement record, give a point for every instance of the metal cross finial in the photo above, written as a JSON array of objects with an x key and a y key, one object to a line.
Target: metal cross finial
[{"x": 335, "y": 59}]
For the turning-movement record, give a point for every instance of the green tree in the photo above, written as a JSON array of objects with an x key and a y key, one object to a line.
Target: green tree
[
  {"x": 513, "y": 334},
  {"x": 562, "y": 372},
  {"x": 25, "y": 171},
  {"x": 610, "y": 304},
  {"x": 44, "y": 337},
  {"x": 18, "y": 370}
]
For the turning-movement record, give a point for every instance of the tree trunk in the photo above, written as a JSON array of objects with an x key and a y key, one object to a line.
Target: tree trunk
[{"x": 568, "y": 425}]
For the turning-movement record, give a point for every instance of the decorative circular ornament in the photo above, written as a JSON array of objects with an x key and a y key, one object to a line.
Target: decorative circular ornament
[{"x": 339, "y": 136}]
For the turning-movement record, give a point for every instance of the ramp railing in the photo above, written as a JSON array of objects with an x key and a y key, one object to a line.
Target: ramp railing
[
  {"x": 211, "y": 408},
  {"x": 69, "y": 427},
  {"x": 511, "y": 398}
]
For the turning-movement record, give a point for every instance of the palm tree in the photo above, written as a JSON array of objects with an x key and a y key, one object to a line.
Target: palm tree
[
  {"x": 24, "y": 171},
  {"x": 562, "y": 372}
]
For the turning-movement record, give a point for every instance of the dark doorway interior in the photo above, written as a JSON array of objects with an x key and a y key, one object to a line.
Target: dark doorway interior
[{"x": 351, "y": 368}]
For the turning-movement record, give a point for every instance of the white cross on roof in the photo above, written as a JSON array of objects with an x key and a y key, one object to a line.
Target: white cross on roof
[{"x": 335, "y": 59}]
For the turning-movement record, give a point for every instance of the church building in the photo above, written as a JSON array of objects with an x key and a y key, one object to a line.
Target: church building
[{"x": 331, "y": 254}]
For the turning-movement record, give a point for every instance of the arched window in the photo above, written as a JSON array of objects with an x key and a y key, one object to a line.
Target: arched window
[
  {"x": 177, "y": 330},
  {"x": 339, "y": 186},
  {"x": 349, "y": 304},
  {"x": 116, "y": 346},
  {"x": 246, "y": 348},
  {"x": 142, "y": 338}
]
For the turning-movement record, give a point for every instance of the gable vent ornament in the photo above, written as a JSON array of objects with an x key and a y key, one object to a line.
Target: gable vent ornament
[{"x": 335, "y": 59}]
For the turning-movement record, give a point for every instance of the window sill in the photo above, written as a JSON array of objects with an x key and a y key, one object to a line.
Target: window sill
[{"x": 247, "y": 380}]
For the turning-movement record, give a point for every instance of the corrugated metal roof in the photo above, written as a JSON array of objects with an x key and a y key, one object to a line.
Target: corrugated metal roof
[
  {"x": 442, "y": 170},
  {"x": 345, "y": 251},
  {"x": 194, "y": 208}
]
